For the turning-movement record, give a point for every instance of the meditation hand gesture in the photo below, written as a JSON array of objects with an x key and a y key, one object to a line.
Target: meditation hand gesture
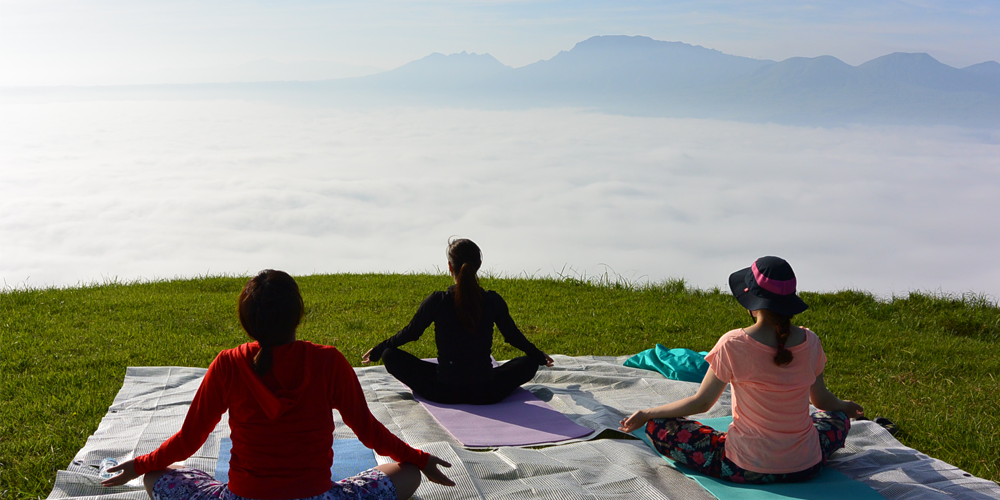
[
  {"x": 435, "y": 475},
  {"x": 128, "y": 474},
  {"x": 852, "y": 409},
  {"x": 636, "y": 421}
]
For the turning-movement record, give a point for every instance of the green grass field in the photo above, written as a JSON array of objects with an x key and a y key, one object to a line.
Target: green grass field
[{"x": 928, "y": 363}]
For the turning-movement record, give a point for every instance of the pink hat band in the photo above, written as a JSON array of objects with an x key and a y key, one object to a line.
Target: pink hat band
[{"x": 780, "y": 287}]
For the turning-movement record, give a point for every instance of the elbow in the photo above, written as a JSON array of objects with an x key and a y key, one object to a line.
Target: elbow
[
  {"x": 704, "y": 406},
  {"x": 825, "y": 404},
  {"x": 699, "y": 405}
]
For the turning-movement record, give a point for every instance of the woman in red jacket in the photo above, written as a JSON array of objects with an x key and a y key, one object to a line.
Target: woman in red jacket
[{"x": 279, "y": 393}]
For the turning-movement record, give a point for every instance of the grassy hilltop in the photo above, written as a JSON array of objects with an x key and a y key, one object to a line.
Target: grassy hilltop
[{"x": 928, "y": 363}]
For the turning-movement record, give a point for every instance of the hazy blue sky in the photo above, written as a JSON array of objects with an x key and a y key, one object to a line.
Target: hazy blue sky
[{"x": 51, "y": 42}]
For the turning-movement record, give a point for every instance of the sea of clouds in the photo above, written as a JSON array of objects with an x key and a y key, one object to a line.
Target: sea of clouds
[{"x": 96, "y": 191}]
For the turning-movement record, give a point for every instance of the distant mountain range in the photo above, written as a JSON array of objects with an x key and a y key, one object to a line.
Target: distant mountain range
[{"x": 637, "y": 75}]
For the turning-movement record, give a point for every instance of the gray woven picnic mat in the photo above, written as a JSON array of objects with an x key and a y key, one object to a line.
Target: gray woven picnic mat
[{"x": 593, "y": 391}]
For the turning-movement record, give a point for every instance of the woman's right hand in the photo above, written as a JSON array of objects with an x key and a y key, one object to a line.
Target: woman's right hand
[
  {"x": 636, "y": 421},
  {"x": 127, "y": 474},
  {"x": 367, "y": 357},
  {"x": 435, "y": 475}
]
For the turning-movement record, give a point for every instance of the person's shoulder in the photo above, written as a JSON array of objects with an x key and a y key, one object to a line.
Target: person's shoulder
[
  {"x": 437, "y": 296},
  {"x": 492, "y": 300},
  {"x": 811, "y": 338},
  {"x": 737, "y": 334},
  {"x": 433, "y": 300},
  {"x": 228, "y": 359},
  {"x": 320, "y": 349},
  {"x": 328, "y": 357},
  {"x": 241, "y": 351},
  {"x": 730, "y": 337},
  {"x": 810, "y": 335}
]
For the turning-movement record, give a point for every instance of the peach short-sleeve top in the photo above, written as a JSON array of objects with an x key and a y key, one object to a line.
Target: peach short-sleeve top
[{"x": 772, "y": 432}]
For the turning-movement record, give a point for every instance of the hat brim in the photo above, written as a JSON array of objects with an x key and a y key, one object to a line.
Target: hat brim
[{"x": 740, "y": 285}]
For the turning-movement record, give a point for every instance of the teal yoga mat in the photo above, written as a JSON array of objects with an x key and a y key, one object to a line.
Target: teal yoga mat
[
  {"x": 675, "y": 364},
  {"x": 828, "y": 484},
  {"x": 349, "y": 458}
]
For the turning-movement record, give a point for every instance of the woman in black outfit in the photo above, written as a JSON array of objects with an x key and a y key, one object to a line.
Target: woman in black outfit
[{"x": 463, "y": 318}]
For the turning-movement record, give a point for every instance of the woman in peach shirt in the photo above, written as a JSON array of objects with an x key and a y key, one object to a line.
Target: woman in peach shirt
[{"x": 776, "y": 370}]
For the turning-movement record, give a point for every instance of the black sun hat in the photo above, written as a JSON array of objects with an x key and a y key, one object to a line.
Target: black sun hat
[{"x": 768, "y": 284}]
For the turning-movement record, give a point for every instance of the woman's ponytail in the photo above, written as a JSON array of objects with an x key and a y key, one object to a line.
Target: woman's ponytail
[
  {"x": 465, "y": 259},
  {"x": 783, "y": 328},
  {"x": 263, "y": 360},
  {"x": 270, "y": 308}
]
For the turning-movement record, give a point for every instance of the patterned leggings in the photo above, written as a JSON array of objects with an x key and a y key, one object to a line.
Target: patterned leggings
[
  {"x": 704, "y": 448},
  {"x": 192, "y": 484}
]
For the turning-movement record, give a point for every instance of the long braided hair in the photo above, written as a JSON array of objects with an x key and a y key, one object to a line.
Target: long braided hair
[
  {"x": 782, "y": 328},
  {"x": 270, "y": 308},
  {"x": 465, "y": 258}
]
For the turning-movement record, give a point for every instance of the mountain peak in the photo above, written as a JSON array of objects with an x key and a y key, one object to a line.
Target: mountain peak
[
  {"x": 459, "y": 68},
  {"x": 904, "y": 60},
  {"x": 627, "y": 43},
  {"x": 450, "y": 62},
  {"x": 988, "y": 68},
  {"x": 922, "y": 70},
  {"x": 804, "y": 72}
]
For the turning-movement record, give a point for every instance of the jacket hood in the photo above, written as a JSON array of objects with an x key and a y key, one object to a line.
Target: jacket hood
[{"x": 286, "y": 382}]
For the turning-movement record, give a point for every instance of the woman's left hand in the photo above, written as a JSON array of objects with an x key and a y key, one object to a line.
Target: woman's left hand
[
  {"x": 128, "y": 474},
  {"x": 637, "y": 420},
  {"x": 852, "y": 409},
  {"x": 549, "y": 361},
  {"x": 367, "y": 357}
]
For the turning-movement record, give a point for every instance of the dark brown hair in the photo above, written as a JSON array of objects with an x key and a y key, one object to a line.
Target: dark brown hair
[
  {"x": 465, "y": 259},
  {"x": 783, "y": 328},
  {"x": 270, "y": 308}
]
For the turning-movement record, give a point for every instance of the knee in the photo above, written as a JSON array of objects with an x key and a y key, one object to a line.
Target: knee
[
  {"x": 664, "y": 429},
  {"x": 405, "y": 478},
  {"x": 390, "y": 358},
  {"x": 526, "y": 366},
  {"x": 149, "y": 479},
  {"x": 670, "y": 424},
  {"x": 412, "y": 476},
  {"x": 528, "y": 370}
]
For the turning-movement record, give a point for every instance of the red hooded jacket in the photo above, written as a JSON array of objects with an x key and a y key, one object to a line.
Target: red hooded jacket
[{"x": 281, "y": 423}]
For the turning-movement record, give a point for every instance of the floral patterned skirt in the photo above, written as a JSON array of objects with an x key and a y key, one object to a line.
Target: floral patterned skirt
[
  {"x": 704, "y": 448},
  {"x": 192, "y": 484}
]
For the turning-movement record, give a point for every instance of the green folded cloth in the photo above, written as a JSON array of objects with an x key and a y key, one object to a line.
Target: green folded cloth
[{"x": 676, "y": 364}]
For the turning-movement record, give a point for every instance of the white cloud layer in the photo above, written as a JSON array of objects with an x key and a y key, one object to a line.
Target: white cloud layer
[{"x": 127, "y": 190}]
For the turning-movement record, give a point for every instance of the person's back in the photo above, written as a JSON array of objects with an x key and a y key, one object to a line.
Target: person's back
[
  {"x": 772, "y": 431},
  {"x": 281, "y": 423},
  {"x": 464, "y": 354}
]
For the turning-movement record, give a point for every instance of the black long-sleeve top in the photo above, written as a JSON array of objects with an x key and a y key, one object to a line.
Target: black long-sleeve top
[{"x": 463, "y": 356}]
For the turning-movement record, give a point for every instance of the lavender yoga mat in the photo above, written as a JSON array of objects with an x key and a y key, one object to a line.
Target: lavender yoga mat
[{"x": 519, "y": 420}]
